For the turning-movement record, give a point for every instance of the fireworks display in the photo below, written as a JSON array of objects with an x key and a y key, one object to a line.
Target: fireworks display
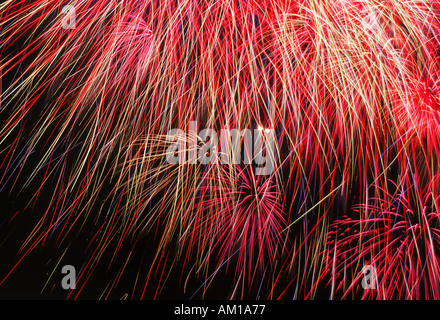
[{"x": 339, "y": 99}]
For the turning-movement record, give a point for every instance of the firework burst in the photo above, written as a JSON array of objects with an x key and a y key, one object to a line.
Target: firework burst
[{"x": 348, "y": 88}]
